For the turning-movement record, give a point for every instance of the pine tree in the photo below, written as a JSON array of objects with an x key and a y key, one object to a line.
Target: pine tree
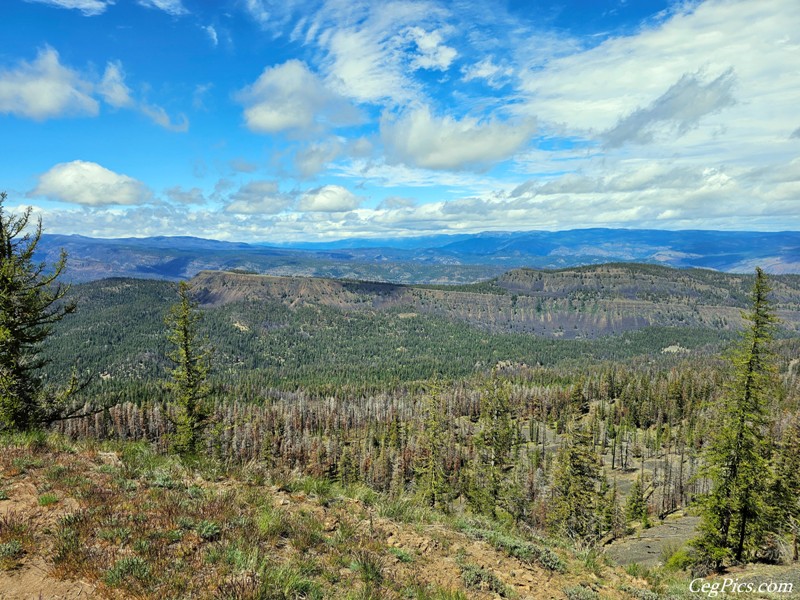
[
  {"x": 576, "y": 505},
  {"x": 189, "y": 376},
  {"x": 431, "y": 473},
  {"x": 613, "y": 515},
  {"x": 635, "y": 506},
  {"x": 785, "y": 487},
  {"x": 493, "y": 444},
  {"x": 31, "y": 302},
  {"x": 736, "y": 461}
]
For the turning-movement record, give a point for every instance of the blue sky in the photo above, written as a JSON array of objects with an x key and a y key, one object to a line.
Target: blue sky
[{"x": 278, "y": 122}]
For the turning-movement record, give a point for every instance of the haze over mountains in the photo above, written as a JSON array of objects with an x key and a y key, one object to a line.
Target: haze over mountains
[{"x": 434, "y": 259}]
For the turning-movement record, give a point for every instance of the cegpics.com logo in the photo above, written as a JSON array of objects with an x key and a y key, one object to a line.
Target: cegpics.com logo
[{"x": 713, "y": 589}]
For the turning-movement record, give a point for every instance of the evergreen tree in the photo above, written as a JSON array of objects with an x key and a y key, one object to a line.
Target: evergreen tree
[
  {"x": 30, "y": 303},
  {"x": 494, "y": 441},
  {"x": 613, "y": 515},
  {"x": 576, "y": 506},
  {"x": 736, "y": 462},
  {"x": 636, "y": 506},
  {"x": 189, "y": 376},
  {"x": 785, "y": 488},
  {"x": 431, "y": 473}
]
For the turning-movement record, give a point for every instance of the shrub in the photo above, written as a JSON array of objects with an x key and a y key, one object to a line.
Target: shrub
[
  {"x": 402, "y": 555},
  {"x": 580, "y": 592},
  {"x": 476, "y": 578},
  {"x": 518, "y": 548},
  {"x": 678, "y": 560},
  {"x": 208, "y": 530},
  {"x": 130, "y": 567},
  {"x": 9, "y": 553},
  {"x": 118, "y": 535}
]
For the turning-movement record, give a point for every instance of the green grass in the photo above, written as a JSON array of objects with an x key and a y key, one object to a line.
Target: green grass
[
  {"x": 48, "y": 499},
  {"x": 516, "y": 546},
  {"x": 128, "y": 568},
  {"x": 404, "y": 509},
  {"x": 402, "y": 555}
]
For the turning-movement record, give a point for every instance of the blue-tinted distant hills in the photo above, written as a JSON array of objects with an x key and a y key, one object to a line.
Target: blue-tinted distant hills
[{"x": 459, "y": 258}]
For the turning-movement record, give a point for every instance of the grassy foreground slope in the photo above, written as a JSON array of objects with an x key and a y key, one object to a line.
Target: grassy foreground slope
[{"x": 117, "y": 520}]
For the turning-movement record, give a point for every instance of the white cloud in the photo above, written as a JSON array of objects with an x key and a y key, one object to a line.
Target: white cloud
[
  {"x": 160, "y": 117},
  {"x": 395, "y": 202},
  {"x": 116, "y": 93},
  {"x": 90, "y": 8},
  {"x": 495, "y": 76},
  {"x": 45, "y": 89},
  {"x": 329, "y": 198},
  {"x": 212, "y": 34},
  {"x": 681, "y": 107},
  {"x": 592, "y": 90},
  {"x": 273, "y": 16},
  {"x": 113, "y": 89},
  {"x": 172, "y": 7},
  {"x": 420, "y": 139},
  {"x": 90, "y": 184},
  {"x": 181, "y": 196},
  {"x": 368, "y": 57},
  {"x": 258, "y": 198},
  {"x": 312, "y": 159},
  {"x": 433, "y": 54},
  {"x": 290, "y": 97},
  {"x": 258, "y": 11}
]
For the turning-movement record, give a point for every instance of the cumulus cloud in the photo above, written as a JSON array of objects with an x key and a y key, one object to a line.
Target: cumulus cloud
[
  {"x": 258, "y": 198},
  {"x": 172, "y": 7},
  {"x": 44, "y": 89},
  {"x": 90, "y": 184},
  {"x": 681, "y": 108},
  {"x": 290, "y": 97},
  {"x": 329, "y": 198},
  {"x": 90, "y": 8},
  {"x": 113, "y": 89},
  {"x": 420, "y": 139}
]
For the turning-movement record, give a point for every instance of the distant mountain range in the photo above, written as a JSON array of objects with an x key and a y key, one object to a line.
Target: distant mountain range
[{"x": 434, "y": 259}]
